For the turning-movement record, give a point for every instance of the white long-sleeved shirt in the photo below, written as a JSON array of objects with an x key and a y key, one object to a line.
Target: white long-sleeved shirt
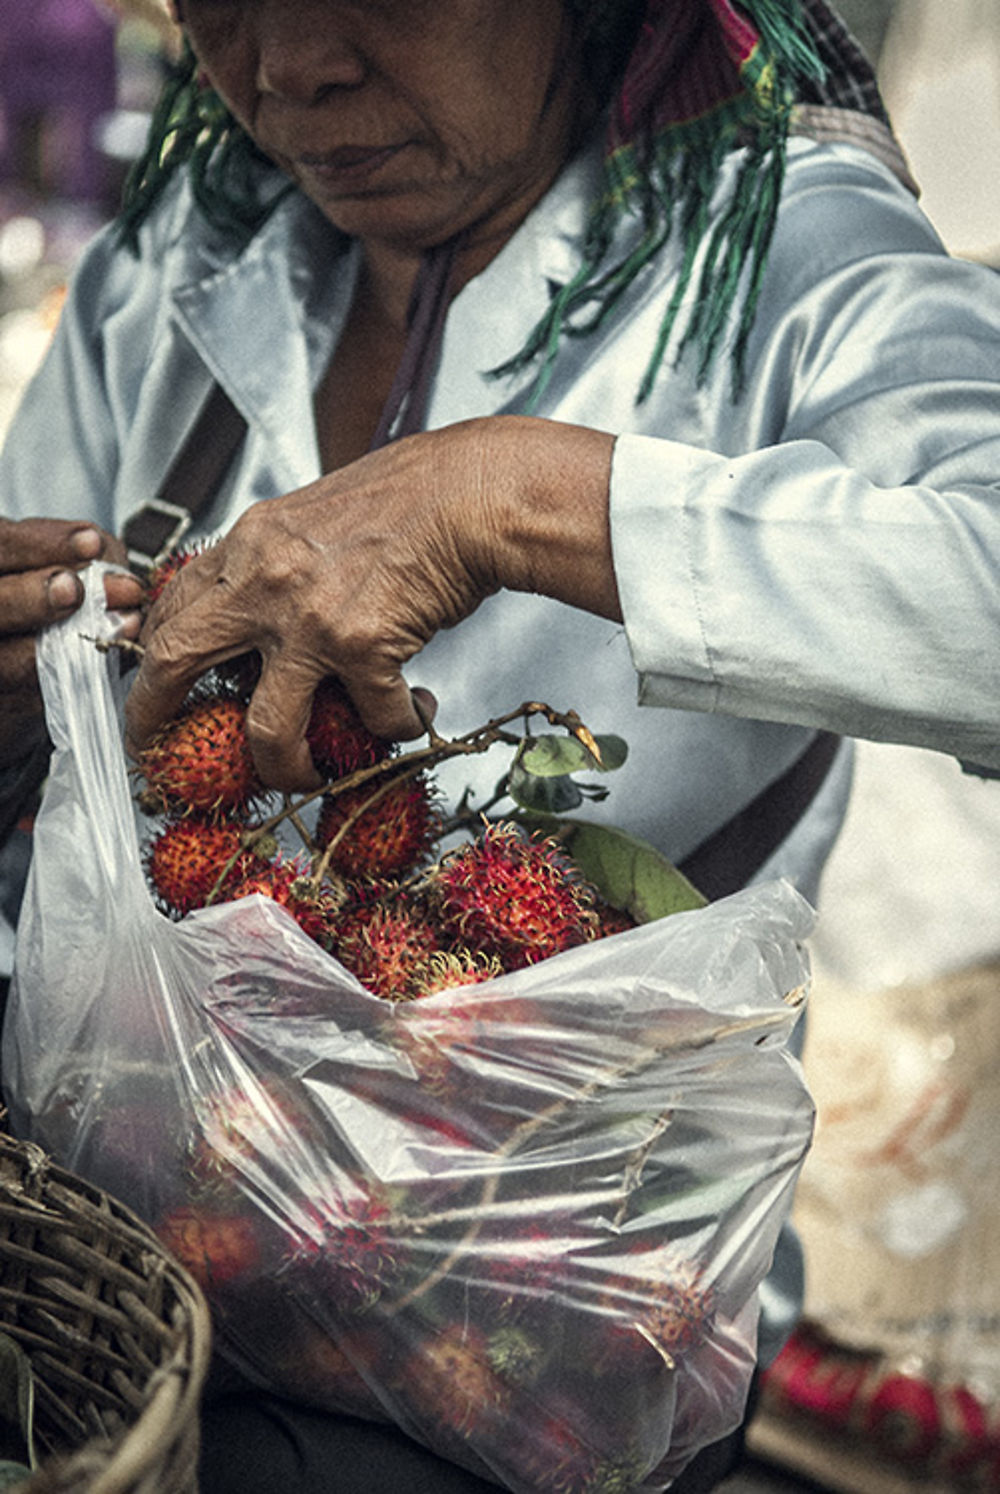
[{"x": 822, "y": 552}]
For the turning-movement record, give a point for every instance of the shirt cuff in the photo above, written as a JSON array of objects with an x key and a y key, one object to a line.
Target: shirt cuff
[{"x": 650, "y": 480}]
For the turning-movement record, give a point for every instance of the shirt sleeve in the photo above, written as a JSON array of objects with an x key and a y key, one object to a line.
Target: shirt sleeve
[
  {"x": 60, "y": 455},
  {"x": 844, "y": 574}
]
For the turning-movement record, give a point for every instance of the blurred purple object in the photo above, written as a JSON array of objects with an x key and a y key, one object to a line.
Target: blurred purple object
[{"x": 58, "y": 78}]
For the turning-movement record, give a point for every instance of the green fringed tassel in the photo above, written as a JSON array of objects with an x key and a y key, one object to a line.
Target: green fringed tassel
[
  {"x": 686, "y": 165},
  {"x": 192, "y": 127}
]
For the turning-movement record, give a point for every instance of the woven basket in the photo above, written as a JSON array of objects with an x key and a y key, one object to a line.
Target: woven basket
[{"x": 116, "y": 1332}]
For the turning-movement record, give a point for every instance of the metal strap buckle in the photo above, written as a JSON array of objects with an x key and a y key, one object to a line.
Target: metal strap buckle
[{"x": 153, "y": 531}]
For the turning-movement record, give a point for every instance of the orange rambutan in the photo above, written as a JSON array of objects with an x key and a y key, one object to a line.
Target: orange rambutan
[
  {"x": 338, "y": 739},
  {"x": 515, "y": 896},
  {"x": 186, "y": 860},
  {"x": 386, "y": 839},
  {"x": 215, "y": 1248},
  {"x": 450, "y": 1380},
  {"x": 200, "y": 761}
]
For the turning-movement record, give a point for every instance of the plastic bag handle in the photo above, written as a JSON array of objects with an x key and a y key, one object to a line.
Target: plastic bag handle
[{"x": 83, "y": 692}]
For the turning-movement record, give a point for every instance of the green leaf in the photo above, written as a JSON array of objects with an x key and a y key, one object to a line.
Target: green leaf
[
  {"x": 543, "y": 795},
  {"x": 17, "y": 1404},
  {"x": 628, "y": 872},
  {"x": 554, "y": 757}
]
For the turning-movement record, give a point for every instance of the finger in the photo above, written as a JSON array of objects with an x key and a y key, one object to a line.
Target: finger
[
  {"x": 122, "y": 593},
  {"x": 189, "y": 584},
  {"x": 385, "y": 704},
  {"x": 277, "y": 717},
  {"x": 31, "y": 601},
  {"x": 425, "y": 704},
  {"x": 33, "y": 544},
  {"x": 18, "y": 673},
  {"x": 177, "y": 653}
]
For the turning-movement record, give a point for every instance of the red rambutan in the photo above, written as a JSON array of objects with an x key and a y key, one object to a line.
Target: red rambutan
[
  {"x": 201, "y": 760},
  {"x": 393, "y": 834},
  {"x": 351, "y": 1247},
  {"x": 287, "y": 883},
  {"x": 555, "y": 1456},
  {"x": 440, "y": 1045},
  {"x": 186, "y": 859},
  {"x": 237, "y": 1130},
  {"x": 663, "y": 1298},
  {"x": 338, "y": 739},
  {"x": 450, "y": 968},
  {"x": 516, "y": 896},
  {"x": 388, "y": 949},
  {"x": 163, "y": 573}
]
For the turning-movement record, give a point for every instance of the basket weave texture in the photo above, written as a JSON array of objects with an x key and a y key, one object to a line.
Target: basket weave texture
[{"x": 117, "y": 1334}]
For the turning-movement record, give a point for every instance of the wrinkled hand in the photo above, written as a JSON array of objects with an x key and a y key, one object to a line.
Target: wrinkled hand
[
  {"x": 353, "y": 574},
  {"x": 39, "y": 584}
]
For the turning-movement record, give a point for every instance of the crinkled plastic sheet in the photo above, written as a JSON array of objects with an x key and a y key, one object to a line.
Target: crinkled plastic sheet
[{"x": 525, "y": 1221}]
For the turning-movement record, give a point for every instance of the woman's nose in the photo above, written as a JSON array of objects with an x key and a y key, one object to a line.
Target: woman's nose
[{"x": 299, "y": 62}]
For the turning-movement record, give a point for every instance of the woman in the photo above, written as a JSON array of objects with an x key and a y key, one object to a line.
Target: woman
[{"x": 517, "y": 338}]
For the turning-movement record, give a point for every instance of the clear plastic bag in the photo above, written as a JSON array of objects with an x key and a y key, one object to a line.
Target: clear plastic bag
[{"x": 524, "y": 1220}]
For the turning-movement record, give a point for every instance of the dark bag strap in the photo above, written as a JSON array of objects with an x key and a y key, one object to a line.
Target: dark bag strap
[
  {"x": 189, "y": 485},
  {"x": 738, "y": 849}
]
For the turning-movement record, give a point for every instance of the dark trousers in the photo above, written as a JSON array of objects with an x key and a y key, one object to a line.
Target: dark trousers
[{"x": 258, "y": 1444}]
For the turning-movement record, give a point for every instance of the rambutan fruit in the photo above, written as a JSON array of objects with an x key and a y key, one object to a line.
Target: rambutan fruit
[
  {"x": 450, "y": 1382},
  {"x": 515, "y": 1355},
  {"x": 330, "y": 1374},
  {"x": 612, "y": 920},
  {"x": 443, "y": 1044},
  {"x": 515, "y": 896},
  {"x": 201, "y": 760},
  {"x": 351, "y": 1247},
  {"x": 185, "y": 861},
  {"x": 530, "y": 1267},
  {"x": 389, "y": 950},
  {"x": 215, "y": 1248},
  {"x": 239, "y": 1130},
  {"x": 165, "y": 570},
  {"x": 555, "y": 1456},
  {"x": 447, "y": 969},
  {"x": 388, "y": 838},
  {"x": 288, "y": 883},
  {"x": 663, "y": 1299},
  {"x": 338, "y": 739}
]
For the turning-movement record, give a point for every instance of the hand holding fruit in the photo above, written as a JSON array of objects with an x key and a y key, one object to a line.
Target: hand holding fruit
[
  {"x": 353, "y": 574},
  {"x": 39, "y": 559}
]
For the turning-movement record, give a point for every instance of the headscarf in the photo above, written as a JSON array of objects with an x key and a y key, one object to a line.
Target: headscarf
[{"x": 703, "y": 78}]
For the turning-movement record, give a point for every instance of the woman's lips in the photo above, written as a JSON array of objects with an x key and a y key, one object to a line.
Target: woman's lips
[{"x": 347, "y": 166}]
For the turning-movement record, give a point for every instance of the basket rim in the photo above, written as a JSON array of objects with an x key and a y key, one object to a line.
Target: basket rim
[{"x": 33, "y": 1179}]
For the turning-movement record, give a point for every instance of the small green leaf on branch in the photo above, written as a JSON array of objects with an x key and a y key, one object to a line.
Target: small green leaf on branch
[{"x": 555, "y": 756}]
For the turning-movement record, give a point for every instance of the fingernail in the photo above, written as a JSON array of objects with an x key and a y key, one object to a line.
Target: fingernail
[
  {"x": 87, "y": 544},
  {"x": 65, "y": 590}
]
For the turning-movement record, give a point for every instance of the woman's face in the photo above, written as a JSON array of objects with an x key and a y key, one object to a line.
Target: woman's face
[{"x": 403, "y": 120}]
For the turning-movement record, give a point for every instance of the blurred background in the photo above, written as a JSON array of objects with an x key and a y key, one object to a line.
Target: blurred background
[{"x": 893, "y": 1383}]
